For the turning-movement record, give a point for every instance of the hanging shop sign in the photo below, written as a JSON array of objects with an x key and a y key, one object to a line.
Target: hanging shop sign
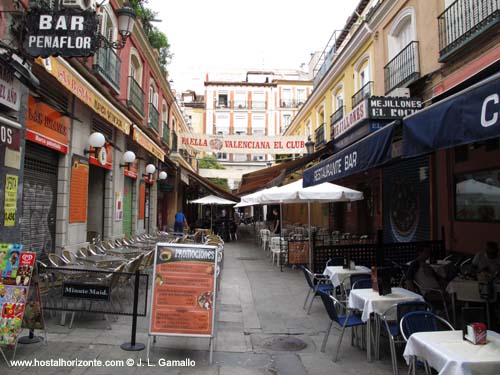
[
  {"x": 10, "y": 87},
  {"x": 132, "y": 170},
  {"x": 104, "y": 157},
  {"x": 78, "y": 191},
  {"x": 355, "y": 117},
  {"x": 392, "y": 108},
  {"x": 148, "y": 144},
  {"x": 16, "y": 267},
  {"x": 10, "y": 137},
  {"x": 184, "y": 290},
  {"x": 84, "y": 91},
  {"x": 244, "y": 144},
  {"x": 65, "y": 32},
  {"x": 46, "y": 126}
]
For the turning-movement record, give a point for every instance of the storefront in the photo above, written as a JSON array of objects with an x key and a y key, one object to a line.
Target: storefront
[{"x": 462, "y": 134}]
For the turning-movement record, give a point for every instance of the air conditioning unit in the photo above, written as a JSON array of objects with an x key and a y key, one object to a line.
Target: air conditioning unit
[
  {"x": 80, "y": 4},
  {"x": 400, "y": 92}
]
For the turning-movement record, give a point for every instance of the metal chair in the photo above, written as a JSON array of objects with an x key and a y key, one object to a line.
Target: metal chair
[
  {"x": 421, "y": 321},
  {"x": 349, "y": 320},
  {"x": 317, "y": 283},
  {"x": 70, "y": 256},
  {"x": 362, "y": 283},
  {"x": 392, "y": 326},
  {"x": 57, "y": 260},
  {"x": 335, "y": 261},
  {"x": 425, "y": 292}
]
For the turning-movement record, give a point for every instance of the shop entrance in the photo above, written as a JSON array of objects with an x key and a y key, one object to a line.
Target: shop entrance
[{"x": 95, "y": 211}]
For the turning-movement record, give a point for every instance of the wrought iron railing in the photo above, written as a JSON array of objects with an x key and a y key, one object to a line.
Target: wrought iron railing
[
  {"x": 462, "y": 21},
  {"x": 319, "y": 135},
  {"x": 108, "y": 65},
  {"x": 135, "y": 96},
  {"x": 291, "y": 103},
  {"x": 174, "y": 141},
  {"x": 239, "y": 104},
  {"x": 336, "y": 117},
  {"x": 403, "y": 68},
  {"x": 258, "y": 105},
  {"x": 363, "y": 93},
  {"x": 153, "y": 118},
  {"x": 166, "y": 134}
]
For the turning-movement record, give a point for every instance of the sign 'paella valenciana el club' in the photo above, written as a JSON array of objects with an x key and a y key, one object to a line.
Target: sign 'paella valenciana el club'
[
  {"x": 244, "y": 144},
  {"x": 65, "y": 32}
]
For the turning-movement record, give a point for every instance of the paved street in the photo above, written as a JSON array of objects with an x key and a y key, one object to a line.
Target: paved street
[{"x": 258, "y": 306}]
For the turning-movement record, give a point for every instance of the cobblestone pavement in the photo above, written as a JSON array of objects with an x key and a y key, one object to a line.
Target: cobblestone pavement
[{"x": 261, "y": 329}]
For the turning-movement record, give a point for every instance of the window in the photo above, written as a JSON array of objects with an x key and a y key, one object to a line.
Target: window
[
  {"x": 164, "y": 113},
  {"x": 362, "y": 72},
  {"x": 259, "y": 123},
  {"x": 286, "y": 98},
  {"x": 222, "y": 100},
  {"x": 108, "y": 23},
  {"x": 320, "y": 116},
  {"x": 135, "y": 66},
  {"x": 259, "y": 100},
  {"x": 222, "y": 123},
  {"x": 401, "y": 33},
  {"x": 286, "y": 119},
  {"x": 153, "y": 96},
  {"x": 240, "y": 123},
  {"x": 477, "y": 196},
  {"x": 240, "y": 100},
  {"x": 258, "y": 157},
  {"x": 301, "y": 96}
]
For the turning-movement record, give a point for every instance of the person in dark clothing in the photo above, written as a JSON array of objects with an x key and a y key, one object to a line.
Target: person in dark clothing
[
  {"x": 276, "y": 228},
  {"x": 180, "y": 222}
]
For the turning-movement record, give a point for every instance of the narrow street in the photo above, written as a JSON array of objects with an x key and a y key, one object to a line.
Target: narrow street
[{"x": 261, "y": 329}]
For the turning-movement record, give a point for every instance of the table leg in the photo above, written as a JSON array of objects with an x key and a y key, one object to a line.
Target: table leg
[
  {"x": 454, "y": 313},
  {"x": 377, "y": 336}
]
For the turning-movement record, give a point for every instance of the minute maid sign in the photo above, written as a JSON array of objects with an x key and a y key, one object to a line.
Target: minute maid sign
[{"x": 67, "y": 32}]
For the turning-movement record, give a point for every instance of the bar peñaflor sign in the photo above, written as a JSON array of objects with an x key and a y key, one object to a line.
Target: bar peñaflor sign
[{"x": 65, "y": 32}]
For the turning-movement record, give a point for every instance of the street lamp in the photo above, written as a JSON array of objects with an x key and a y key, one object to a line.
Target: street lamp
[
  {"x": 126, "y": 20},
  {"x": 128, "y": 159},
  {"x": 163, "y": 175},
  {"x": 97, "y": 141},
  {"x": 309, "y": 145},
  {"x": 150, "y": 170}
]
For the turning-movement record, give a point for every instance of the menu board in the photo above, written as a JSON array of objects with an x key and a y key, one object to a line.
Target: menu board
[
  {"x": 16, "y": 268},
  {"x": 183, "y": 290},
  {"x": 78, "y": 190}
]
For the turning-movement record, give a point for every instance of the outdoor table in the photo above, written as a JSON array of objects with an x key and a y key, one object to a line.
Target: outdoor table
[
  {"x": 467, "y": 290},
  {"x": 102, "y": 261},
  {"x": 448, "y": 353},
  {"x": 369, "y": 301},
  {"x": 339, "y": 275}
]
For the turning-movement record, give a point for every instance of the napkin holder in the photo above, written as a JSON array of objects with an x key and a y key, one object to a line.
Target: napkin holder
[
  {"x": 384, "y": 281},
  {"x": 472, "y": 316},
  {"x": 476, "y": 333}
]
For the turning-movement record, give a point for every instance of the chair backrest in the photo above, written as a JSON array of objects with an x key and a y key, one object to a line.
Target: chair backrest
[
  {"x": 335, "y": 261},
  {"x": 275, "y": 243},
  {"x": 265, "y": 233},
  {"x": 57, "y": 260},
  {"x": 83, "y": 252},
  {"x": 364, "y": 283},
  {"x": 355, "y": 277},
  {"x": 422, "y": 321},
  {"x": 331, "y": 305},
  {"x": 300, "y": 230},
  {"x": 91, "y": 250},
  {"x": 309, "y": 276},
  {"x": 69, "y": 255},
  {"x": 134, "y": 264}
]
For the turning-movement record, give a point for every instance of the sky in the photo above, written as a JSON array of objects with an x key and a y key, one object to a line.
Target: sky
[{"x": 223, "y": 35}]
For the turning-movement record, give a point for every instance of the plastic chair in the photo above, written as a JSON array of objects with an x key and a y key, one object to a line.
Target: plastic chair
[
  {"x": 264, "y": 237},
  {"x": 349, "y": 320},
  {"x": 276, "y": 248},
  {"x": 392, "y": 326},
  {"x": 421, "y": 321},
  {"x": 317, "y": 283}
]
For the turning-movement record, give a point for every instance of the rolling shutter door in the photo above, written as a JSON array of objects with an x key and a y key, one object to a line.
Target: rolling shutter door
[
  {"x": 38, "y": 222},
  {"x": 127, "y": 206}
]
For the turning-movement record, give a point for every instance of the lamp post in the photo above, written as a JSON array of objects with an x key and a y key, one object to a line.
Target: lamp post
[
  {"x": 96, "y": 141},
  {"x": 309, "y": 145},
  {"x": 128, "y": 159},
  {"x": 126, "y": 22}
]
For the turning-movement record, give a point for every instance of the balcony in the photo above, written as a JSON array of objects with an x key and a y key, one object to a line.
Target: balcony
[
  {"x": 258, "y": 105},
  {"x": 463, "y": 21},
  {"x": 174, "y": 141},
  {"x": 107, "y": 64},
  {"x": 319, "y": 136},
  {"x": 363, "y": 93},
  {"x": 135, "y": 96},
  {"x": 403, "y": 68},
  {"x": 222, "y": 104},
  {"x": 166, "y": 134},
  {"x": 336, "y": 117},
  {"x": 291, "y": 103},
  {"x": 239, "y": 104},
  {"x": 154, "y": 118}
]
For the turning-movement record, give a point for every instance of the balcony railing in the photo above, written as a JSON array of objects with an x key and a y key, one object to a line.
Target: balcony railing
[
  {"x": 153, "y": 118},
  {"x": 336, "y": 117},
  {"x": 240, "y": 104},
  {"x": 166, "y": 134},
  {"x": 403, "y": 68},
  {"x": 291, "y": 103},
  {"x": 363, "y": 93},
  {"x": 174, "y": 141},
  {"x": 108, "y": 65},
  {"x": 462, "y": 21},
  {"x": 135, "y": 96},
  {"x": 258, "y": 105},
  {"x": 319, "y": 135},
  {"x": 222, "y": 104}
]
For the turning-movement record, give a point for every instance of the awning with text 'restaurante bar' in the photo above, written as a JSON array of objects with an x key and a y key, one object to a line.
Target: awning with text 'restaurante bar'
[
  {"x": 370, "y": 152},
  {"x": 148, "y": 144},
  {"x": 83, "y": 90},
  {"x": 469, "y": 116}
]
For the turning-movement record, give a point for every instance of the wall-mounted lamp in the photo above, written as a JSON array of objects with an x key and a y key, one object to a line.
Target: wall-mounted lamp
[
  {"x": 163, "y": 175},
  {"x": 150, "y": 170},
  {"x": 309, "y": 145},
  {"x": 97, "y": 141},
  {"x": 126, "y": 20},
  {"x": 128, "y": 159}
]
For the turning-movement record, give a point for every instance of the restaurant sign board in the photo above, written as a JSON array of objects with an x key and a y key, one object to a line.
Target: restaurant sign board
[
  {"x": 184, "y": 290},
  {"x": 10, "y": 95},
  {"x": 65, "y": 32},
  {"x": 392, "y": 108},
  {"x": 353, "y": 118}
]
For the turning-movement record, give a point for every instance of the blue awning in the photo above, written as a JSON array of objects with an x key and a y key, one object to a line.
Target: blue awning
[
  {"x": 466, "y": 117},
  {"x": 367, "y": 153}
]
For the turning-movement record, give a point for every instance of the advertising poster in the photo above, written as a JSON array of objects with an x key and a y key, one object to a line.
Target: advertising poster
[
  {"x": 16, "y": 266},
  {"x": 33, "y": 313},
  {"x": 183, "y": 290},
  {"x": 119, "y": 206},
  {"x": 78, "y": 190},
  {"x": 10, "y": 203}
]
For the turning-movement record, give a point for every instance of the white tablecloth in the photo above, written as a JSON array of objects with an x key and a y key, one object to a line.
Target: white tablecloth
[
  {"x": 371, "y": 302},
  {"x": 446, "y": 352},
  {"x": 338, "y": 274},
  {"x": 467, "y": 290}
]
